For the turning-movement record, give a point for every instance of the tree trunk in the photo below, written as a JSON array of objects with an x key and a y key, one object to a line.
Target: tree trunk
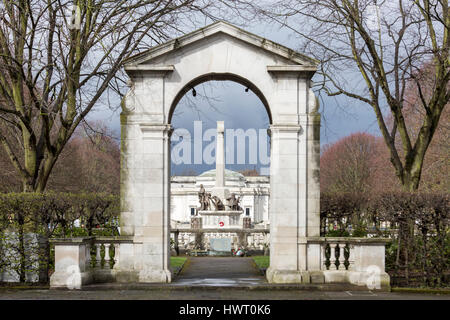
[{"x": 406, "y": 230}]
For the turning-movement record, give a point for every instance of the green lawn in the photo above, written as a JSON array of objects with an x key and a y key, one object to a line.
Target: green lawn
[
  {"x": 262, "y": 261},
  {"x": 176, "y": 262}
]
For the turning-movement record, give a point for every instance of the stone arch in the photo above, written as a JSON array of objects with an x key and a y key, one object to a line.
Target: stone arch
[{"x": 281, "y": 79}]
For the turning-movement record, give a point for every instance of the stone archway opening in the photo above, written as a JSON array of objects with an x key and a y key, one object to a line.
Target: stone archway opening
[
  {"x": 198, "y": 233},
  {"x": 281, "y": 78}
]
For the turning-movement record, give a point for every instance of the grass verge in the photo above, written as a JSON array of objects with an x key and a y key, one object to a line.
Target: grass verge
[
  {"x": 262, "y": 261},
  {"x": 177, "y": 264}
]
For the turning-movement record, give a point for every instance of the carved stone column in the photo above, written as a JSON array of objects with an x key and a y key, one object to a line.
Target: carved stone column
[{"x": 287, "y": 219}]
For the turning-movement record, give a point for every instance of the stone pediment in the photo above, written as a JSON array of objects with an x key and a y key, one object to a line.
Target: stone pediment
[{"x": 149, "y": 59}]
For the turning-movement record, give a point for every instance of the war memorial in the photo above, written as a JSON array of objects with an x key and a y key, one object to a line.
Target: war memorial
[{"x": 288, "y": 218}]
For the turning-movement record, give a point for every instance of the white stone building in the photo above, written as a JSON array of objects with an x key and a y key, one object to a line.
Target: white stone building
[{"x": 254, "y": 192}]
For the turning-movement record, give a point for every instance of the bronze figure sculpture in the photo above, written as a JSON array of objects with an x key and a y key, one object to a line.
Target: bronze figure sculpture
[{"x": 218, "y": 203}]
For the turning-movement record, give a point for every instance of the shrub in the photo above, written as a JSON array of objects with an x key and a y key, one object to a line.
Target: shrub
[
  {"x": 49, "y": 215},
  {"x": 418, "y": 223}
]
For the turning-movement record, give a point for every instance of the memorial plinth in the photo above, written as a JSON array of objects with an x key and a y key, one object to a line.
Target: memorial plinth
[{"x": 215, "y": 219}]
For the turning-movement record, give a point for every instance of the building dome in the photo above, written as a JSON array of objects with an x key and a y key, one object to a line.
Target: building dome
[{"x": 229, "y": 174}]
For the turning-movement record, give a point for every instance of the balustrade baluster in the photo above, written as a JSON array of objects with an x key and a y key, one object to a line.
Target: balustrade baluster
[
  {"x": 98, "y": 257},
  {"x": 351, "y": 260},
  {"x": 107, "y": 258},
  {"x": 88, "y": 255},
  {"x": 332, "y": 256},
  {"x": 341, "y": 256},
  {"x": 116, "y": 254}
]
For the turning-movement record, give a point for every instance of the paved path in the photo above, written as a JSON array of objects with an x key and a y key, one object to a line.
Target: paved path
[
  {"x": 219, "y": 271},
  {"x": 210, "y": 278},
  {"x": 216, "y": 294}
]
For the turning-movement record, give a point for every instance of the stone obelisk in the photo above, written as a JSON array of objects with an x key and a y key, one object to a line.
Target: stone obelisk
[
  {"x": 219, "y": 189},
  {"x": 220, "y": 155}
]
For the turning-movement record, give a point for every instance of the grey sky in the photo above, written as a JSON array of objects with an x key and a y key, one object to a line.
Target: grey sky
[{"x": 220, "y": 101}]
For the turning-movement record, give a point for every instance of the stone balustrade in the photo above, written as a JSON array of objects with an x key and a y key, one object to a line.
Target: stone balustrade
[
  {"x": 336, "y": 255},
  {"x": 359, "y": 261},
  {"x": 80, "y": 261}
]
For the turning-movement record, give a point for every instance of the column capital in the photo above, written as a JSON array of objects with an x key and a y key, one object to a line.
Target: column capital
[
  {"x": 152, "y": 126},
  {"x": 284, "y": 127},
  {"x": 155, "y": 130}
]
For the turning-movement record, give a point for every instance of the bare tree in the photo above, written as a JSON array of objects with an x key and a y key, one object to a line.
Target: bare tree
[
  {"x": 347, "y": 165},
  {"x": 90, "y": 162},
  {"x": 59, "y": 59},
  {"x": 435, "y": 172},
  {"x": 372, "y": 51}
]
